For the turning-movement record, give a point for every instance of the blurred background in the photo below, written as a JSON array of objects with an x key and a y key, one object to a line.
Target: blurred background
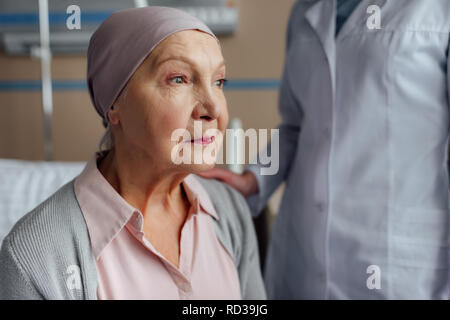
[{"x": 252, "y": 34}]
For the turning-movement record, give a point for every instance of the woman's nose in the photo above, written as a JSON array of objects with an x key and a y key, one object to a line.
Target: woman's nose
[{"x": 207, "y": 108}]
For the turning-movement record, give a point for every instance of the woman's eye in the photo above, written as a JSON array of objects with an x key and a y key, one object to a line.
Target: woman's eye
[
  {"x": 220, "y": 83},
  {"x": 177, "y": 80}
]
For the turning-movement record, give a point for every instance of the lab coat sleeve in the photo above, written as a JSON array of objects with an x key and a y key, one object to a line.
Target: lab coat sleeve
[
  {"x": 448, "y": 73},
  {"x": 448, "y": 89},
  {"x": 289, "y": 130}
]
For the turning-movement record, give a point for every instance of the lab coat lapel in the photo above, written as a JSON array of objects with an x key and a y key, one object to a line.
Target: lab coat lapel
[{"x": 322, "y": 18}]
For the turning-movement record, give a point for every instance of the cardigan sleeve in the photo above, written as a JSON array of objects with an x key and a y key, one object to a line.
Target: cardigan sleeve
[
  {"x": 14, "y": 282},
  {"x": 244, "y": 245},
  {"x": 252, "y": 285}
]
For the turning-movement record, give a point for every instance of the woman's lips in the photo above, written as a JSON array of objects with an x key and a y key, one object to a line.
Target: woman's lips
[{"x": 203, "y": 140}]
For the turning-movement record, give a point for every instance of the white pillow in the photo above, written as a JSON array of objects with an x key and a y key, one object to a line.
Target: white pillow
[{"x": 25, "y": 184}]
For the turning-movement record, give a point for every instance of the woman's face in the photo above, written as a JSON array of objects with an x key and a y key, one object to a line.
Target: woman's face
[{"x": 178, "y": 86}]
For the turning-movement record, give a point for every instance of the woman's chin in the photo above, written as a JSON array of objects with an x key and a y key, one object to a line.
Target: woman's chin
[{"x": 198, "y": 168}]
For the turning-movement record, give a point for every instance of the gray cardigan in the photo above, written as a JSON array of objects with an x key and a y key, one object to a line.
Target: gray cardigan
[{"x": 47, "y": 254}]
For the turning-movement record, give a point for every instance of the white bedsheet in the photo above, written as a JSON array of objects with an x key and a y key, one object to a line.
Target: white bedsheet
[{"x": 25, "y": 184}]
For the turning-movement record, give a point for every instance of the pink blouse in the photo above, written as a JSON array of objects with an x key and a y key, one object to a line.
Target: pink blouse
[{"x": 129, "y": 267}]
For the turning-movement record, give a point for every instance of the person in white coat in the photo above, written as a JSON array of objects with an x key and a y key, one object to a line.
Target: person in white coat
[{"x": 363, "y": 151}]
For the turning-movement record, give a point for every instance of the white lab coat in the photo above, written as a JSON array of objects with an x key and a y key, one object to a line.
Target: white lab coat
[{"x": 363, "y": 144}]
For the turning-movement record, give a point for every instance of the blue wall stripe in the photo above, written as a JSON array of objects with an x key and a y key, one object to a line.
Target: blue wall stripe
[
  {"x": 80, "y": 85},
  {"x": 55, "y": 18},
  {"x": 252, "y": 84},
  {"x": 35, "y": 85}
]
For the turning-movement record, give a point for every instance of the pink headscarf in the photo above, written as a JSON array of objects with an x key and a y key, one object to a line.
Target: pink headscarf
[{"x": 122, "y": 42}]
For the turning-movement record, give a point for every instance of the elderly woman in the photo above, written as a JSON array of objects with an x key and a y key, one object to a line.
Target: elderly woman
[{"x": 135, "y": 224}]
